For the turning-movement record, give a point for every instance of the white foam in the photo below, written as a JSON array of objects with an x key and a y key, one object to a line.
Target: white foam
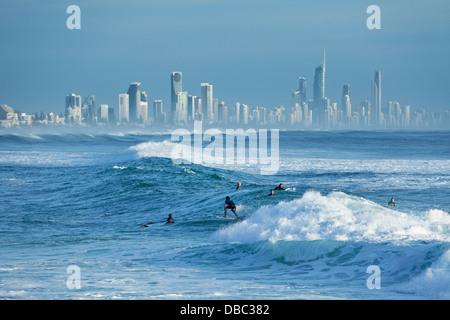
[
  {"x": 434, "y": 282},
  {"x": 120, "y": 167},
  {"x": 365, "y": 165},
  {"x": 337, "y": 216},
  {"x": 162, "y": 149},
  {"x": 45, "y": 158}
]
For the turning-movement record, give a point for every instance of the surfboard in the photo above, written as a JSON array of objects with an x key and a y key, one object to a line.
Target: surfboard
[{"x": 228, "y": 217}]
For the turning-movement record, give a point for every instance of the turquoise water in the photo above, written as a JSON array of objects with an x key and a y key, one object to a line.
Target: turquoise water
[{"x": 79, "y": 199}]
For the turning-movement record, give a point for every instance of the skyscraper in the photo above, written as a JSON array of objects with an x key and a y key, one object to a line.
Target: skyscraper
[
  {"x": 192, "y": 107},
  {"x": 376, "y": 115},
  {"x": 216, "y": 110},
  {"x": 73, "y": 100},
  {"x": 89, "y": 104},
  {"x": 158, "y": 111},
  {"x": 134, "y": 93},
  {"x": 222, "y": 112},
  {"x": 207, "y": 102},
  {"x": 104, "y": 112},
  {"x": 73, "y": 108},
  {"x": 176, "y": 86},
  {"x": 142, "y": 110},
  {"x": 319, "y": 83},
  {"x": 181, "y": 108},
  {"x": 124, "y": 105},
  {"x": 346, "y": 106},
  {"x": 302, "y": 89},
  {"x": 238, "y": 112}
]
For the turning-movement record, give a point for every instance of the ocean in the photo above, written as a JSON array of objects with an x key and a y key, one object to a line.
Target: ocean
[{"x": 73, "y": 204}]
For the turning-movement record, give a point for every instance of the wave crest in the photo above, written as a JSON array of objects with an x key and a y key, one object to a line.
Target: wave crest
[{"x": 337, "y": 216}]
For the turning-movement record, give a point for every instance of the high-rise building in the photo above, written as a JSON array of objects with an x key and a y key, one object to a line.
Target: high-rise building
[
  {"x": 192, "y": 107},
  {"x": 104, "y": 112},
  {"x": 365, "y": 110},
  {"x": 319, "y": 83},
  {"x": 376, "y": 114},
  {"x": 345, "y": 102},
  {"x": 181, "y": 108},
  {"x": 89, "y": 105},
  {"x": 222, "y": 112},
  {"x": 158, "y": 111},
  {"x": 124, "y": 105},
  {"x": 142, "y": 110},
  {"x": 73, "y": 108},
  {"x": 302, "y": 90},
  {"x": 245, "y": 113},
  {"x": 296, "y": 99},
  {"x": 407, "y": 116},
  {"x": 134, "y": 93},
  {"x": 176, "y": 86},
  {"x": 238, "y": 112},
  {"x": 207, "y": 102},
  {"x": 73, "y": 100},
  {"x": 216, "y": 110}
]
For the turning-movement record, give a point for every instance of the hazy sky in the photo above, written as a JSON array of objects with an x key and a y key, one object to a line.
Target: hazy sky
[{"x": 252, "y": 51}]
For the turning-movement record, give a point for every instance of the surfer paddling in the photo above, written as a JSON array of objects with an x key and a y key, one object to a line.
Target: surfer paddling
[
  {"x": 391, "y": 203},
  {"x": 280, "y": 187},
  {"x": 169, "y": 220}
]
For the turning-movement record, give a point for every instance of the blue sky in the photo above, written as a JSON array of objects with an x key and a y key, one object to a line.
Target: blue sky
[{"x": 252, "y": 51}]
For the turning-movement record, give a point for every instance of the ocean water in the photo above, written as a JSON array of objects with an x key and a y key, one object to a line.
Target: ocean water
[{"x": 79, "y": 199}]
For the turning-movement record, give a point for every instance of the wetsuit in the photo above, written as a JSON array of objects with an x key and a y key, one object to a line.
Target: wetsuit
[{"x": 230, "y": 205}]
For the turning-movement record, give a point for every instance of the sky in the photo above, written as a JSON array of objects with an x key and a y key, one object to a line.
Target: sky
[{"x": 251, "y": 51}]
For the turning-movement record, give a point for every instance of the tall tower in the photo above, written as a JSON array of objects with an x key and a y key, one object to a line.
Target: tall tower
[
  {"x": 319, "y": 83},
  {"x": 158, "y": 111},
  {"x": 376, "y": 99},
  {"x": 302, "y": 89},
  {"x": 181, "y": 108},
  {"x": 176, "y": 86},
  {"x": 124, "y": 107},
  {"x": 142, "y": 110},
  {"x": 89, "y": 103},
  {"x": 207, "y": 102},
  {"x": 134, "y": 93},
  {"x": 346, "y": 106}
]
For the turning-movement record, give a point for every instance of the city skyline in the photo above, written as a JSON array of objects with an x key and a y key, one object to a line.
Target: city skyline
[
  {"x": 319, "y": 113},
  {"x": 247, "y": 55}
]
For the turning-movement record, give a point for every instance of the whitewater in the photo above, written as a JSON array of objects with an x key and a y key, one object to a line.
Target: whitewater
[{"x": 80, "y": 199}]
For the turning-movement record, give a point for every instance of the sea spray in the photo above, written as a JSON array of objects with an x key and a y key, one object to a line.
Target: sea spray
[{"x": 336, "y": 216}]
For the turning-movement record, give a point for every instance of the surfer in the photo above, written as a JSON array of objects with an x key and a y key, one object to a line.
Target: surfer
[
  {"x": 145, "y": 225},
  {"x": 238, "y": 187},
  {"x": 229, "y": 205},
  {"x": 280, "y": 187},
  {"x": 170, "y": 219},
  {"x": 391, "y": 203},
  {"x": 271, "y": 193}
]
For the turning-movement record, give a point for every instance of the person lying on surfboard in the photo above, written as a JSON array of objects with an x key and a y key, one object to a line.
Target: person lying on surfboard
[
  {"x": 229, "y": 205},
  {"x": 280, "y": 187},
  {"x": 169, "y": 220}
]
